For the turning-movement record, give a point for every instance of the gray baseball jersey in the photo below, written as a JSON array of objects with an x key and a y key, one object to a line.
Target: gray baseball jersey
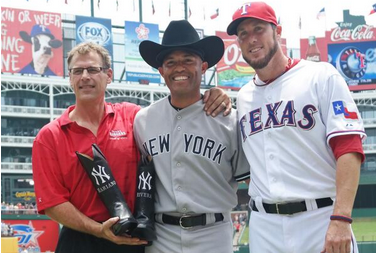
[{"x": 198, "y": 159}]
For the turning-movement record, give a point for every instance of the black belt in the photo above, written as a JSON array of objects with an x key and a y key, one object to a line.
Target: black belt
[
  {"x": 292, "y": 208},
  {"x": 188, "y": 221}
]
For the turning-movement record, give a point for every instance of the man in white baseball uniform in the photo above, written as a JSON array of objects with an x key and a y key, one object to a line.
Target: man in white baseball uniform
[
  {"x": 198, "y": 159},
  {"x": 302, "y": 134}
]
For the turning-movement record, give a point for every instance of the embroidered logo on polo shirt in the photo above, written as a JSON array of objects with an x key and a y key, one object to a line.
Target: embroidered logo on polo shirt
[{"x": 117, "y": 134}]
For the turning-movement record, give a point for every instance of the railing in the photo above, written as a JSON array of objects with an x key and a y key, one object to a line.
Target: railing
[
  {"x": 14, "y": 167},
  {"x": 28, "y": 140},
  {"x": 369, "y": 147},
  {"x": 29, "y": 111},
  {"x": 370, "y": 121},
  {"x": 18, "y": 211}
]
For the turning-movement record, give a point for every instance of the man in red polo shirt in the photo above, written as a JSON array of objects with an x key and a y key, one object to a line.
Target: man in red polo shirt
[{"x": 63, "y": 190}]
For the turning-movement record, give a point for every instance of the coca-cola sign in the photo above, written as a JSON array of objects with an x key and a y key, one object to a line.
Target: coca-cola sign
[
  {"x": 315, "y": 58},
  {"x": 360, "y": 32},
  {"x": 352, "y": 28}
]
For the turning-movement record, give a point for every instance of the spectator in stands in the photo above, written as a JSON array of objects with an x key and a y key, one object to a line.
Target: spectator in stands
[
  {"x": 4, "y": 229},
  {"x": 24, "y": 249},
  {"x": 10, "y": 230}
]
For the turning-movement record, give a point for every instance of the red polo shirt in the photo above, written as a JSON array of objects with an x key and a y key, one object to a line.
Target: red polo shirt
[{"x": 58, "y": 174}]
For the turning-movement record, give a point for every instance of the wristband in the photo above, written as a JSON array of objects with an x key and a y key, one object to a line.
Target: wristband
[{"x": 341, "y": 218}]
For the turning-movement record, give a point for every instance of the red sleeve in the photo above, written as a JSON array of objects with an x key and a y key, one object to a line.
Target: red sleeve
[
  {"x": 344, "y": 144},
  {"x": 48, "y": 185}
]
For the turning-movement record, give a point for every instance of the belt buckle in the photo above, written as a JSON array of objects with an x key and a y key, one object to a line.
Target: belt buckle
[
  {"x": 277, "y": 208},
  {"x": 277, "y": 205},
  {"x": 181, "y": 220}
]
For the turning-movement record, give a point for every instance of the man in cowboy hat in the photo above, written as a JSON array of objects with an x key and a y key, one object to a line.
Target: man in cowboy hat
[{"x": 198, "y": 159}]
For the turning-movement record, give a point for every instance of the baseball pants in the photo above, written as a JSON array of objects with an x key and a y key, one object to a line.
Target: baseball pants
[
  {"x": 298, "y": 233},
  {"x": 216, "y": 237}
]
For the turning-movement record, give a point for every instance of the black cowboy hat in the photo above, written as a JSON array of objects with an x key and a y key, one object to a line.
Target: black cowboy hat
[{"x": 180, "y": 35}]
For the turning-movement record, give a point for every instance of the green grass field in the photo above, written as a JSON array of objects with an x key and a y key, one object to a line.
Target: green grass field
[
  {"x": 364, "y": 230},
  {"x": 245, "y": 236}
]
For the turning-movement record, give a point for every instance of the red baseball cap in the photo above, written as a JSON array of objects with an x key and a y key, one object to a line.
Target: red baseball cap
[{"x": 258, "y": 10}]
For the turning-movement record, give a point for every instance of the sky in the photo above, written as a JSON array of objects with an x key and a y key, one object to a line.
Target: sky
[{"x": 288, "y": 11}]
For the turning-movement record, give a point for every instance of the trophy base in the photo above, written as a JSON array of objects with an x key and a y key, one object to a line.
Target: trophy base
[
  {"x": 145, "y": 232},
  {"x": 124, "y": 226}
]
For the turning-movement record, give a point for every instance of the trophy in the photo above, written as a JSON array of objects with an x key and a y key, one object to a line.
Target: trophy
[
  {"x": 101, "y": 176},
  {"x": 144, "y": 206}
]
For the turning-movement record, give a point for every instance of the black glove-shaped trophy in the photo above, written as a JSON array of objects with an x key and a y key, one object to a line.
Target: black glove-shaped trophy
[{"x": 101, "y": 176}]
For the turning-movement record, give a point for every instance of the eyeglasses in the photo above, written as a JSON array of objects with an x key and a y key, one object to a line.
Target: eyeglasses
[{"x": 90, "y": 70}]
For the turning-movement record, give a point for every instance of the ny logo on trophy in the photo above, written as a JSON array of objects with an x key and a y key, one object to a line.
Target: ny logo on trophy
[
  {"x": 142, "y": 224},
  {"x": 100, "y": 174},
  {"x": 145, "y": 181}
]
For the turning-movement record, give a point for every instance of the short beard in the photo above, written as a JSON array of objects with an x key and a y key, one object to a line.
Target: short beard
[{"x": 264, "y": 62}]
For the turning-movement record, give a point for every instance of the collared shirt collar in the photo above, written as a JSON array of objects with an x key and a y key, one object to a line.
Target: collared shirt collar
[{"x": 65, "y": 119}]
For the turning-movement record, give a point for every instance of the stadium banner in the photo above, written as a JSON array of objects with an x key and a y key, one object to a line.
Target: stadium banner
[
  {"x": 97, "y": 30},
  {"x": 24, "y": 196},
  {"x": 350, "y": 48},
  {"x": 31, "y": 42},
  {"x": 356, "y": 62},
  {"x": 136, "y": 69},
  {"x": 35, "y": 235},
  {"x": 232, "y": 70}
]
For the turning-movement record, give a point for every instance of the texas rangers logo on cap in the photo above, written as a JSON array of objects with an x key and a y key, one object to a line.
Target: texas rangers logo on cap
[
  {"x": 340, "y": 107},
  {"x": 257, "y": 10}
]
